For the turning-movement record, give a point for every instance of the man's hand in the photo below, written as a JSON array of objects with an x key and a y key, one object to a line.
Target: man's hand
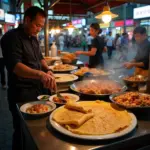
[
  {"x": 50, "y": 73},
  {"x": 128, "y": 65},
  {"x": 78, "y": 52},
  {"x": 54, "y": 82},
  {"x": 48, "y": 80}
]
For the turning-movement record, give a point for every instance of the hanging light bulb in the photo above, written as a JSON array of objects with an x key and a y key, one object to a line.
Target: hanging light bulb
[
  {"x": 70, "y": 30},
  {"x": 106, "y": 15},
  {"x": 53, "y": 31},
  {"x": 57, "y": 29},
  {"x": 106, "y": 18},
  {"x": 70, "y": 27}
]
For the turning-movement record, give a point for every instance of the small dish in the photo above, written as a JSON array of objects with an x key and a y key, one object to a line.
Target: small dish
[
  {"x": 51, "y": 106},
  {"x": 43, "y": 97},
  {"x": 72, "y": 97}
]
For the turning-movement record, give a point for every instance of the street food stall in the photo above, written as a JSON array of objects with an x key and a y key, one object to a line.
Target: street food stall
[
  {"x": 93, "y": 112},
  {"x": 96, "y": 111}
]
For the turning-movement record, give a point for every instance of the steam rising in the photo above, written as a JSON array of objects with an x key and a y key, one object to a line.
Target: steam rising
[{"x": 116, "y": 65}]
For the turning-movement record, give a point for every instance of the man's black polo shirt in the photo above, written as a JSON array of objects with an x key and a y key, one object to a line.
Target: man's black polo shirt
[{"x": 17, "y": 46}]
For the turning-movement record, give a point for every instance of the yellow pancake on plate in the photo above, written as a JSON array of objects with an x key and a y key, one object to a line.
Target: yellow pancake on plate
[{"x": 107, "y": 118}]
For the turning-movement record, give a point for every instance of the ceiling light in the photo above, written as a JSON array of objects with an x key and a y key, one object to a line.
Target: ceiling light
[
  {"x": 70, "y": 26},
  {"x": 57, "y": 29},
  {"x": 106, "y": 15}
]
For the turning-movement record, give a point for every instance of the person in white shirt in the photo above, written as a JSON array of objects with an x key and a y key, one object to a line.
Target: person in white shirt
[
  {"x": 2, "y": 66},
  {"x": 117, "y": 45},
  {"x": 109, "y": 44},
  {"x": 89, "y": 41},
  {"x": 117, "y": 42},
  {"x": 61, "y": 40}
]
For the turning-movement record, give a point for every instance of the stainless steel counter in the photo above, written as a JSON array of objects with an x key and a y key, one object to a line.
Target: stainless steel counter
[{"x": 39, "y": 134}]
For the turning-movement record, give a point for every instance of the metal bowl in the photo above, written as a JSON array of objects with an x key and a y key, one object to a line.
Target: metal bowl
[
  {"x": 111, "y": 97},
  {"x": 69, "y": 61},
  {"x": 133, "y": 85},
  {"x": 138, "y": 76},
  {"x": 89, "y": 74},
  {"x": 74, "y": 87}
]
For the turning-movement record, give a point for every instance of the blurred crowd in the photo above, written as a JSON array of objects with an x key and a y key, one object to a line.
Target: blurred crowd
[{"x": 120, "y": 43}]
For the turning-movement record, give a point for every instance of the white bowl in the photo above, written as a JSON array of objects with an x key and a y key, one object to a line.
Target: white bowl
[{"x": 24, "y": 107}]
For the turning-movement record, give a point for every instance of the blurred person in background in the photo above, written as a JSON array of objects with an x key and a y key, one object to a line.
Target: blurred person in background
[
  {"x": 117, "y": 45},
  {"x": 51, "y": 40},
  {"x": 61, "y": 41},
  {"x": 141, "y": 60},
  {"x": 83, "y": 42},
  {"x": 89, "y": 41},
  {"x": 2, "y": 66},
  {"x": 109, "y": 44},
  {"x": 28, "y": 71},
  {"x": 78, "y": 41},
  {"x": 124, "y": 39},
  {"x": 97, "y": 47},
  {"x": 117, "y": 42},
  {"x": 124, "y": 47},
  {"x": 67, "y": 41}
]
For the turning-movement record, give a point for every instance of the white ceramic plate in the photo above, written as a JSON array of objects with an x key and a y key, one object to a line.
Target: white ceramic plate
[
  {"x": 64, "y": 78},
  {"x": 41, "y": 96},
  {"x": 73, "y": 97},
  {"x": 24, "y": 107},
  {"x": 63, "y": 70},
  {"x": 94, "y": 137}
]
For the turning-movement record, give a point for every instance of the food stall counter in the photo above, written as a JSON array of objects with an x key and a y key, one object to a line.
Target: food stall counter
[{"x": 39, "y": 134}]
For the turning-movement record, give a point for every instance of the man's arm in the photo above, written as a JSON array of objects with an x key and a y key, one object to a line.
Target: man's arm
[
  {"x": 133, "y": 61},
  {"x": 132, "y": 64},
  {"x": 44, "y": 65},
  {"x": 24, "y": 71},
  {"x": 137, "y": 64}
]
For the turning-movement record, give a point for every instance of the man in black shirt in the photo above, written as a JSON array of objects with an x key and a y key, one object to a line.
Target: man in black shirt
[
  {"x": 141, "y": 60},
  {"x": 27, "y": 70}
]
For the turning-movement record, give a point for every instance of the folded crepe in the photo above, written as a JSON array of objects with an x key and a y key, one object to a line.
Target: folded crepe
[
  {"x": 65, "y": 116},
  {"x": 105, "y": 118},
  {"x": 77, "y": 107}
]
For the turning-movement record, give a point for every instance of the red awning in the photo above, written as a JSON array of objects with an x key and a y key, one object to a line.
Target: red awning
[{"x": 81, "y": 6}]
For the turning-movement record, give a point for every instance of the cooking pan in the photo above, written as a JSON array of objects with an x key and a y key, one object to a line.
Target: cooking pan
[{"x": 75, "y": 86}]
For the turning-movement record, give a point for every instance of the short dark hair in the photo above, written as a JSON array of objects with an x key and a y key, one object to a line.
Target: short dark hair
[
  {"x": 32, "y": 11},
  {"x": 117, "y": 35},
  {"x": 96, "y": 27},
  {"x": 124, "y": 34},
  {"x": 140, "y": 29}
]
